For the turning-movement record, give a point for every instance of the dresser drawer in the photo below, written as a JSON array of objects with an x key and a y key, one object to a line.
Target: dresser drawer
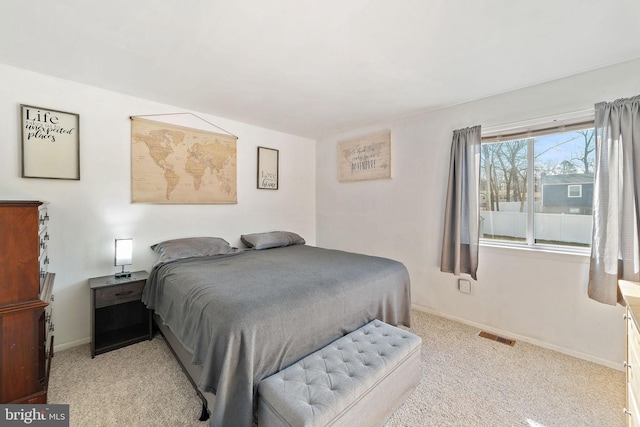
[
  {"x": 44, "y": 266},
  {"x": 633, "y": 367},
  {"x": 43, "y": 217},
  {"x": 49, "y": 328},
  {"x": 43, "y": 241},
  {"x": 631, "y": 410},
  {"x": 632, "y": 332},
  {"x": 119, "y": 294}
]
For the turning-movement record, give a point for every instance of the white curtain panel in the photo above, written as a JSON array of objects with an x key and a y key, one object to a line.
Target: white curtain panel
[{"x": 614, "y": 247}]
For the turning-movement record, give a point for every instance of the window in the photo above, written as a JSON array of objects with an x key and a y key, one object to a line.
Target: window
[
  {"x": 574, "y": 190},
  {"x": 536, "y": 187}
]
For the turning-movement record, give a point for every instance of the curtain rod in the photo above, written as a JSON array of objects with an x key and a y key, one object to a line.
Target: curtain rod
[{"x": 581, "y": 115}]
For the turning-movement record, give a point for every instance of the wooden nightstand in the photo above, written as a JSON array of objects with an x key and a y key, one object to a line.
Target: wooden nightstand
[{"x": 118, "y": 316}]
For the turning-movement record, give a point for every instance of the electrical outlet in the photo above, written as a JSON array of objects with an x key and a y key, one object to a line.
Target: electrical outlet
[{"x": 464, "y": 286}]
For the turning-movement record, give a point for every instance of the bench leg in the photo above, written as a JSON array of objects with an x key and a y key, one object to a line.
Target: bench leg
[{"x": 204, "y": 415}]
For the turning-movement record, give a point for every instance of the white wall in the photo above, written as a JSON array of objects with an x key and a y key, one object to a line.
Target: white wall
[
  {"x": 87, "y": 215},
  {"x": 538, "y": 297}
]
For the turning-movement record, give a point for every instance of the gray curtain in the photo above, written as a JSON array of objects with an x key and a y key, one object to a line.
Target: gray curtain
[
  {"x": 461, "y": 218},
  {"x": 614, "y": 247}
]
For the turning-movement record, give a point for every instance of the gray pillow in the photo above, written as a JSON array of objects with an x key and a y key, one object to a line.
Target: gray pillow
[
  {"x": 272, "y": 239},
  {"x": 189, "y": 247}
]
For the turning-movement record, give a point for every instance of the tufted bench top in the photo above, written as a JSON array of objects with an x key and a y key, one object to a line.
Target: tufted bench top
[{"x": 323, "y": 385}]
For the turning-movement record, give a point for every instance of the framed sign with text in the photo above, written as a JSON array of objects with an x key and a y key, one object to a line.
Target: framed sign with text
[
  {"x": 50, "y": 143},
  {"x": 364, "y": 158},
  {"x": 267, "y": 168}
]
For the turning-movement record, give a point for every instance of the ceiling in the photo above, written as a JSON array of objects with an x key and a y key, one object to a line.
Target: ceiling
[{"x": 313, "y": 68}]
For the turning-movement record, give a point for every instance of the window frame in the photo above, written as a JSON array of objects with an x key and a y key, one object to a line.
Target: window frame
[
  {"x": 529, "y": 130},
  {"x": 569, "y": 186}
]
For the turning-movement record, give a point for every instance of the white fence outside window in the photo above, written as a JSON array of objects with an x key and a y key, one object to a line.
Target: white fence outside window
[{"x": 549, "y": 227}]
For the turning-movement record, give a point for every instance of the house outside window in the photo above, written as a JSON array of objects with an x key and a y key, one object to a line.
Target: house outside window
[{"x": 536, "y": 187}]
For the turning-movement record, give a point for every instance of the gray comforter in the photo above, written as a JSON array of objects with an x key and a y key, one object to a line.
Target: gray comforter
[{"x": 248, "y": 315}]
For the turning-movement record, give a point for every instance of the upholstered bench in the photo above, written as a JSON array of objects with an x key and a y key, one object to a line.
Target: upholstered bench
[{"x": 358, "y": 380}]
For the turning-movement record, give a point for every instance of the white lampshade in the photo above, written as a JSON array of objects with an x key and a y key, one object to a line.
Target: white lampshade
[{"x": 124, "y": 252}]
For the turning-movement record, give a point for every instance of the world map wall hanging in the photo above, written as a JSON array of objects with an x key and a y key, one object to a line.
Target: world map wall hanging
[{"x": 181, "y": 165}]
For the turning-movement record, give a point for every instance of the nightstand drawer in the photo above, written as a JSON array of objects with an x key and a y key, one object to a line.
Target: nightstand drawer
[{"x": 119, "y": 294}]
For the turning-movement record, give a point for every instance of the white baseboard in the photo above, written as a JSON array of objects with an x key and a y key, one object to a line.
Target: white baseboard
[
  {"x": 71, "y": 344},
  {"x": 559, "y": 349},
  {"x": 509, "y": 334}
]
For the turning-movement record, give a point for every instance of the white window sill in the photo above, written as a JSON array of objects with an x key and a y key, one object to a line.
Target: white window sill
[{"x": 580, "y": 255}]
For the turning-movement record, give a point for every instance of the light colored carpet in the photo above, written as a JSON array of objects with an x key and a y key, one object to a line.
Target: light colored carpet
[{"x": 466, "y": 381}]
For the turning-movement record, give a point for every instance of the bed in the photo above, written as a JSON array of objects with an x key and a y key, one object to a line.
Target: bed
[{"x": 238, "y": 316}]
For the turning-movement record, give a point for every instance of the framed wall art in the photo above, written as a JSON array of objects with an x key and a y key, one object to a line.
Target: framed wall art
[
  {"x": 267, "y": 168},
  {"x": 50, "y": 143},
  {"x": 364, "y": 158}
]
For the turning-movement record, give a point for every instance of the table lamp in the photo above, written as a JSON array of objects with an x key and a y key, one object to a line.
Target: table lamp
[{"x": 124, "y": 256}]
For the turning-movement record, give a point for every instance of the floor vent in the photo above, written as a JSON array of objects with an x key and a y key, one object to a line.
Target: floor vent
[{"x": 502, "y": 340}]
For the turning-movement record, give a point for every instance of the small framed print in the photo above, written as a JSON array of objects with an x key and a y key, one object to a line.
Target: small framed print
[
  {"x": 267, "y": 168},
  {"x": 50, "y": 143}
]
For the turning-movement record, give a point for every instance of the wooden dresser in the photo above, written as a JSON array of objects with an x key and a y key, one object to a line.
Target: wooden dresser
[
  {"x": 26, "y": 285},
  {"x": 631, "y": 293}
]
